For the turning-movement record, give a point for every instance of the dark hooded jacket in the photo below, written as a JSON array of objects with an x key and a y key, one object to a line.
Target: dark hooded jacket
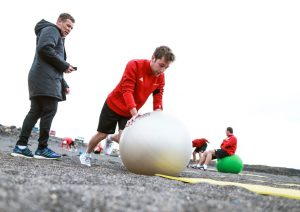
[{"x": 46, "y": 74}]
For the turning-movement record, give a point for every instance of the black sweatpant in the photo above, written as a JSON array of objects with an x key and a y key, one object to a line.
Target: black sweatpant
[{"x": 43, "y": 108}]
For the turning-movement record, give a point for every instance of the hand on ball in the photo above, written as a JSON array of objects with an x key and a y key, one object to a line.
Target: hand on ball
[{"x": 133, "y": 118}]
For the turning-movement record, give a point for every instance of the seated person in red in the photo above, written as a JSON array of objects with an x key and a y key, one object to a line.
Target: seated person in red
[
  {"x": 200, "y": 146},
  {"x": 228, "y": 147}
]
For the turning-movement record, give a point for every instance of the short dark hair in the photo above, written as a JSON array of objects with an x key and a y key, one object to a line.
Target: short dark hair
[
  {"x": 65, "y": 16},
  {"x": 164, "y": 51},
  {"x": 229, "y": 129}
]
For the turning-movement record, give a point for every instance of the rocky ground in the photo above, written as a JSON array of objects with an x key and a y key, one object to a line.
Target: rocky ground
[{"x": 66, "y": 185}]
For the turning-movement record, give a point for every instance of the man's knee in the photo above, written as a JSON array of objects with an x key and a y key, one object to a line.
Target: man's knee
[{"x": 212, "y": 152}]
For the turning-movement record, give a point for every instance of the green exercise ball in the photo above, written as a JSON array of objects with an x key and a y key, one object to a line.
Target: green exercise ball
[{"x": 230, "y": 164}]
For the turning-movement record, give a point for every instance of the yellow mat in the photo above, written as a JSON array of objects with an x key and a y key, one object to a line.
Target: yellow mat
[{"x": 259, "y": 189}]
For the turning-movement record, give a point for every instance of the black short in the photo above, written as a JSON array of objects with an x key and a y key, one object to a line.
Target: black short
[
  {"x": 220, "y": 153},
  {"x": 201, "y": 149},
  {"x": 108, "y": 120}
]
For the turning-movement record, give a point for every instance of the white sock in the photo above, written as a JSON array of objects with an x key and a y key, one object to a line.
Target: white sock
[
  {"x": 205, "y": 166},
  {"x": 21, "y": 147},
  {"x": 109, "y": 137}
]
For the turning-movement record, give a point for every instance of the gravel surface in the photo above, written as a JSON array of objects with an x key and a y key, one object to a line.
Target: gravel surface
[{"x": 66, "y": 185}]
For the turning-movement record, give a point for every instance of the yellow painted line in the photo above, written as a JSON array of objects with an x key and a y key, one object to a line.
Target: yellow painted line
[{"x": 259, "y": 189}]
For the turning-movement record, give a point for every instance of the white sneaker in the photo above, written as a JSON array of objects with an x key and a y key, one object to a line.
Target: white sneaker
[
  {"x": 194, "y": 166},
  {"x": 203, "y": 167},
  {"x": 108, "y": 147},
  {"x": 85, "y": 159}
]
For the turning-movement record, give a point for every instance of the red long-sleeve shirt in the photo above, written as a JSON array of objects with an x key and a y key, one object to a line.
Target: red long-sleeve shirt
[
  {"x": 136, "y": 85},
  {"x": 229, "y": 144},
  {"x": 68, "y": 140},
  {"x": 199, "y": 142}
]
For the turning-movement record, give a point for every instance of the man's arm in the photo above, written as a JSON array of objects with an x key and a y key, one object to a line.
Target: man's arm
[
  {"x": 128, "y": 85},
  {"x": 46, "y": 44},
  {"x": 229, "y": 142},
  {"x": 65, "y": 86},
  {"x": 158, "y": 95}
]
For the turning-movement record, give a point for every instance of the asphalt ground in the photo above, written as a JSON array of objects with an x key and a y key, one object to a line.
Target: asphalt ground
[{"x": 66, "y": 185}]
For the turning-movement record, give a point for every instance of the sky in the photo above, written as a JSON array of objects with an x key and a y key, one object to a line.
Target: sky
[{"x": 237, "y": 64}]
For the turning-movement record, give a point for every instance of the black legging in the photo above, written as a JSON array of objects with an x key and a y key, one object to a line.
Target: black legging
[{"x": 42, "y": 107}]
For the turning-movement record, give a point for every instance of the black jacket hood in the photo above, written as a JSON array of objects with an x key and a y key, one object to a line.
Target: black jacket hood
[{"x": 42, "y": 24}]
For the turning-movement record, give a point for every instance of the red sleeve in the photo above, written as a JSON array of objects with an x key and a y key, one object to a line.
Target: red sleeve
[
  {"x": 128, "y": 84},
  {"x": 229, "y": 145},
  {"x": 158, "y": 94}
]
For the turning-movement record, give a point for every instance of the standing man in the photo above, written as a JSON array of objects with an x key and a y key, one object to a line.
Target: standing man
[
  {"x": 228, "y": 147},
  {"x": 46, "y": 84},
  {"x": 140, "y": 79}
]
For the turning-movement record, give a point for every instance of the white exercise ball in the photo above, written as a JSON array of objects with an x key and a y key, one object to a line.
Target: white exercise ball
[{"x": 156, "y": 143}]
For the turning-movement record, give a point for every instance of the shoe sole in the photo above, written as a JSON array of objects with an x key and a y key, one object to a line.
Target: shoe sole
[
  {"x": 19, "y": 155},
  {"x": 44, "y": 158}
]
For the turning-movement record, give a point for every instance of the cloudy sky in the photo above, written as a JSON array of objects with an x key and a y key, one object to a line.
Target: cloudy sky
[{"x": 237, "y": 65}]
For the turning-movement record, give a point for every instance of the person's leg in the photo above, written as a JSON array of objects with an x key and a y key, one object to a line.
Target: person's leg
[
  {"x": 107, "y": 125},
  {"x": 116, "y": 137},
  {"x": 202, "y": 160},
  {"x": 197, "y": 163},
  {"x": 49, "y": 108},
  {"x": 86, "y": 158},
  {"x": 194, "y": 156},
  {"x": 99, "y": 136},
  {"x": 122, "y": 121},
  {"x": 220, "y": 153},
  {"x": 21, "y": 149},
  {"x": 113, "y": 119},
  {"x": 29, "y": 122},
  {"x": 72, "y": 147},
  {"x": 200, "y": 153},
  {"x": 208, "y": 158}
]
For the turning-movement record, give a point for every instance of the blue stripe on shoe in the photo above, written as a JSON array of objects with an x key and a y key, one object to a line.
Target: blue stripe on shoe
[{"x": 46, "y": 153}]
